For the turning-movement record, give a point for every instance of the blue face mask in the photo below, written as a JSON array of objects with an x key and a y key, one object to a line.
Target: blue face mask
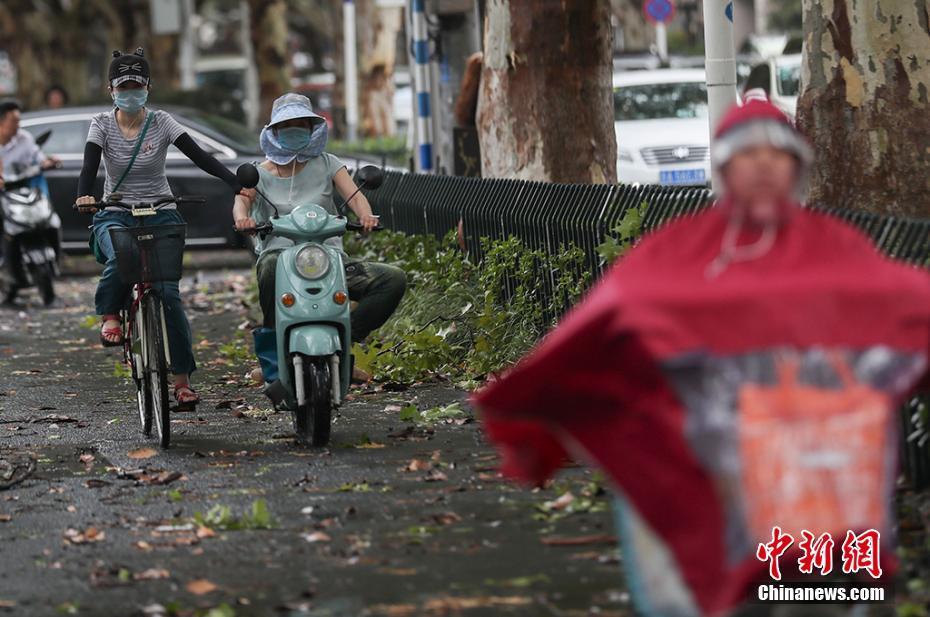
[
  {"x": 294, "y": 138},
  {"x": 275, "y": 150},
  {"x": 130, "y": 101}
]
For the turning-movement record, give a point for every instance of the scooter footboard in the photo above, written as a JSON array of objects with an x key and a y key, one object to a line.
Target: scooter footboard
[{"x": 315, "y": 340}]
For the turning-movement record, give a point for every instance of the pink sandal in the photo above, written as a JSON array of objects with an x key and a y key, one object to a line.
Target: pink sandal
[
  {"x": 186, "y": 398},
  {"x": 111, "y": 336}
]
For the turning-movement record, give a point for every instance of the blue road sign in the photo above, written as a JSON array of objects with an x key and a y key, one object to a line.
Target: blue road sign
[{"x": 659, "y": 11}]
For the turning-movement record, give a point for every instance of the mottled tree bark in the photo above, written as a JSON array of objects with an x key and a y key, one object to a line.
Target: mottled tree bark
[
  {"x": 48, "y": 43},
  {"x": 865, "y": 103},
  {"x": 268, "y": 19},
  {"x": 637, "y": 33},
  {"x": 545, "y": 110}
]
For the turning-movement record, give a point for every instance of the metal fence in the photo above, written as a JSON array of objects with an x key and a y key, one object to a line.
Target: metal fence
[{"x": 549, "y": 216}]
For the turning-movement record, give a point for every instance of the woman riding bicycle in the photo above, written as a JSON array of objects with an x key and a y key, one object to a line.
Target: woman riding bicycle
[
  {"x": 133, "y": 142},
  {"x": 297, "y": 171}
]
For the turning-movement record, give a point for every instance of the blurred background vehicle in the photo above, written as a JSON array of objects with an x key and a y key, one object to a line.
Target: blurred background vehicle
[
  {"x": 780, "y": 77},
  {"x": 662, "y": 127}
]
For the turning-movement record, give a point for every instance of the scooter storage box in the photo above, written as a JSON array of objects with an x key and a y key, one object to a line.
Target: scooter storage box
[{"x": 149, "y": 254}]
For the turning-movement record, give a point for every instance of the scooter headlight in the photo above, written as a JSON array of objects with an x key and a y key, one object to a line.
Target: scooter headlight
[{"x": 312, "y": 262}]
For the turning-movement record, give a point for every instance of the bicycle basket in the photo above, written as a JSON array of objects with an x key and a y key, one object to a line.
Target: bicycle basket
[{"x": 148, "y": 254}]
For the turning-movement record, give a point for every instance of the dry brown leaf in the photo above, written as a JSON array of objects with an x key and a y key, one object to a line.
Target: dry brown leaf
[
  {"x": 317, "y": 536},
  {"x": 561, "y": 503},
  {"x": 205, "y": 532},
  {"x": 399, "y": 571},
  {"x": 152, "y": 574},
  {"x": 200, "y": 587},
  {"x": 394, "y": 610},
  {"x": 71, "y": 509},
  {"x": 460, "y": 604},
  {"x": 418, "y": 465},
  {"x": 92, "y": 534},
  {"x": 142, "y": 545},
  {"x": 87, "y": 459},
  {"x": 142, "y": 453},
  {"x": 160, "y": 479},
  {"x": 447, "y": 518},
  {"x": 435, "y": 476},
  {"x": 7, "y": 604},
  {"x": 5, "y": 518},
  {"x": 578, "y": 540}
]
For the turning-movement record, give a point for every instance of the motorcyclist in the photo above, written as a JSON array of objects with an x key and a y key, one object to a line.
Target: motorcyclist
[
  {"x": 18, "y": 150},
  {"x": 298, "y": 171},
  {"x": 737, "y": 376}
]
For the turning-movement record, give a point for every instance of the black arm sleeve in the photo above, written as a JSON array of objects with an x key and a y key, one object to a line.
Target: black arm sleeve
[
  {"x": 92, "y": 154},
  {"x": 206, "y": 162}
]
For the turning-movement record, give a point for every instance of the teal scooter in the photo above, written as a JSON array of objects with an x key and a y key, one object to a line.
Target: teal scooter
[{"x": 313, "y": 335}]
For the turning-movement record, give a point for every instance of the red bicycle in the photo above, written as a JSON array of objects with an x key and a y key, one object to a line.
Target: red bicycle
[{"x": 148, "y": 254}]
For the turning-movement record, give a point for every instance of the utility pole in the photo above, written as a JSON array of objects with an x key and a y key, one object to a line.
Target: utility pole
[
  {"x": 351, "y": 68},
  {"x": 720, "y": 62}
]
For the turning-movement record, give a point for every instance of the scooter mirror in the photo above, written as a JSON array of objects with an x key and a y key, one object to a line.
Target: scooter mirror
[
  {"x": 247, "y": 176},
  {"x": 43, "y": 137},
  {"x": 370, "y": 177}
]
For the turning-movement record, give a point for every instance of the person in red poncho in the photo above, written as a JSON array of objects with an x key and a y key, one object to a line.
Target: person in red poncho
[{"x": 737, "y": 371}]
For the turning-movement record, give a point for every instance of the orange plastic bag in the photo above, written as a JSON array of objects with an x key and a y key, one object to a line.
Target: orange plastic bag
[{"x": 813, "y": 458}]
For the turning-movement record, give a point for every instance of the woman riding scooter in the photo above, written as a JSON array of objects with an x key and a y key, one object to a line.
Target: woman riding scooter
[{"x": 298, "y": 171}]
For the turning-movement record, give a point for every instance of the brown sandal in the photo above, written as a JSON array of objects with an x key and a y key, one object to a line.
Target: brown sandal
[{"x": 111, "y": 336}]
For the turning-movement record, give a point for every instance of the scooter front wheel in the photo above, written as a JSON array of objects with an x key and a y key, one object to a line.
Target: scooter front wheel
[
  {"x": 43, "y": 275},
  {"x": 313, "y": 418}
]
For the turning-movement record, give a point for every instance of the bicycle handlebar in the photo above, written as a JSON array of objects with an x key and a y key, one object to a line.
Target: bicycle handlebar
[{"x": 161, "y": 203}]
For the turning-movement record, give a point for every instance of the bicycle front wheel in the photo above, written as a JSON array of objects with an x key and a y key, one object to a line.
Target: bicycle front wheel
[
  {"x": 157, "y": 366},
  {"x": 136, "y": 357}
]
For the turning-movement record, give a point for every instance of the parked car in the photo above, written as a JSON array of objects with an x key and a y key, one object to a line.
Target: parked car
[
  {"x": 662, "y": 127},
  {"x": 211, "y": 225},
  {"x": 780, "y": 77}
]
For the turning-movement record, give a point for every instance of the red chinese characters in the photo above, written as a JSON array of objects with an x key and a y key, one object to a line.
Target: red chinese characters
[
  {"x": 862, "y": 553},
  {"x": 773, "y": 550},
  {"x": 817, "y": 553}
]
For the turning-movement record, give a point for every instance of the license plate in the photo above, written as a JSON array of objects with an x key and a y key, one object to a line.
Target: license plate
[{"x": 683, "y": 176}]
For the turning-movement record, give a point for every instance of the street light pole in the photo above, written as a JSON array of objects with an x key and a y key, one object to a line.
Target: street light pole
[
  {"x": 720, "y": 62},
  {"x": 351, "y": 68},
  {"x": 422, "y": 79}
]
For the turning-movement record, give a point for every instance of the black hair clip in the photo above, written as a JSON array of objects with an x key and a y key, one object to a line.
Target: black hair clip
[{"x": 117, "y": 53}]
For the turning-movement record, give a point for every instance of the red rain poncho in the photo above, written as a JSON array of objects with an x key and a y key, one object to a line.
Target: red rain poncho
[{"x": 722, "y": 406}]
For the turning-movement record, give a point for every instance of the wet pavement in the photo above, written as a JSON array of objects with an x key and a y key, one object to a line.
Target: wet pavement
[{"x": 395, "y": 518}]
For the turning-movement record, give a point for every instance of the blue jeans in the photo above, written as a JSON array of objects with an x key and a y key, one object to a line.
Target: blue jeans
[{"x": 113, "y": 295}]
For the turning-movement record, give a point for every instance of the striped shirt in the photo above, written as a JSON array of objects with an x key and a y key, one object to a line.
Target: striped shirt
[{"x": 146, "y": 180}]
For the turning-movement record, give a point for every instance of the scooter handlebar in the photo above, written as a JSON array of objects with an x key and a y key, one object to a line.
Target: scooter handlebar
[
  {"x": 352, "y": 226},
  {"x": 264, "y": 228}
]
